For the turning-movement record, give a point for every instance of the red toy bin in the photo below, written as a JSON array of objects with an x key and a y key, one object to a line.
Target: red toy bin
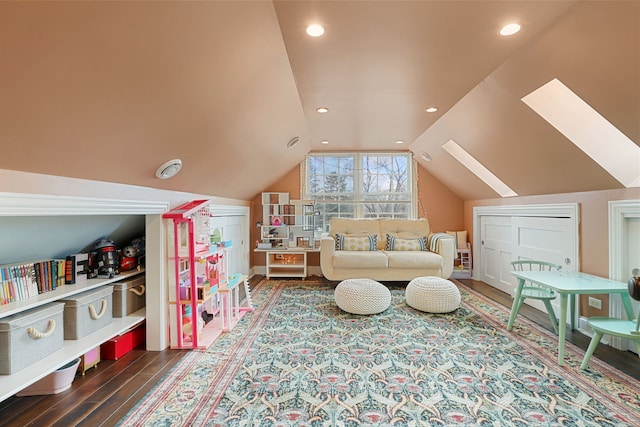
[{"x": 118, "y": 346}]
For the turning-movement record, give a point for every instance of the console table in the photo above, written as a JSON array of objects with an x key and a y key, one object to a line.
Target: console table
[
  {"x": 565, "y": 284},
  {"x": 283, "y": 262}
]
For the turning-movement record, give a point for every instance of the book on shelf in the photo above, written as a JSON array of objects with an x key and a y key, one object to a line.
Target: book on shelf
[{"x": 20, "y": 281}]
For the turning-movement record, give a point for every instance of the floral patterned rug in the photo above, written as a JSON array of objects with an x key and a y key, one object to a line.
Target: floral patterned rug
[{"x": 298, "y": 360}]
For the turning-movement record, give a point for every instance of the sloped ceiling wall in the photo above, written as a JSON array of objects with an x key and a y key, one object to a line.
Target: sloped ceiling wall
[
  {"x": 109, "y": 91},
  {"x": 503, "y": 133}
]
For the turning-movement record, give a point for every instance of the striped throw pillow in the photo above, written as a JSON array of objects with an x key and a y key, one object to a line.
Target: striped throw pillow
[{"x": 397, "y": 244}]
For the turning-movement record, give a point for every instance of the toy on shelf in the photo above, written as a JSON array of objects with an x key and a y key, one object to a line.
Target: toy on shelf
[
  {"x": 132, "y": 255},
  {"x": 187, "y": 324},
  {"x": 104, "y": 259}
]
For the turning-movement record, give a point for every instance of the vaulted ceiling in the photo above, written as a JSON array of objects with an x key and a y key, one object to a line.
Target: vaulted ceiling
[{"x": 109, "y": 91}]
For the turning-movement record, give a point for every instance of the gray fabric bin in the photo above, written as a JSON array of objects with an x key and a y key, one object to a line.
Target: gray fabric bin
[
  {"x": 87, "y": 312},
  {"x": 28, "y": 337},
  {"x": 129, "y": 296}
]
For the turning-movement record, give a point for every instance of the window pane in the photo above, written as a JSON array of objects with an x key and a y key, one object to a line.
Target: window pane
[
  {"x": 360, "y": 185},
  {"x": 385, "y": 174}
]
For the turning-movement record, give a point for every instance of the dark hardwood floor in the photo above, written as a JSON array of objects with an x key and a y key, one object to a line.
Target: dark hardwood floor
[{"x": 106, "y": 393}]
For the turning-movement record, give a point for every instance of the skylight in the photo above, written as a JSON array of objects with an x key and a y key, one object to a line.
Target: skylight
[
  {"x": 478, "y": 169},
  {"x": 588, "y": 130}
]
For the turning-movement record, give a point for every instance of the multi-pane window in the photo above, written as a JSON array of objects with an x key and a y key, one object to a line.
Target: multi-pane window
[{"x": 360, "y": 185}]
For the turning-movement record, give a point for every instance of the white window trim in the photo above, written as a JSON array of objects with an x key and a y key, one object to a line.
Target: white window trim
[{"x": 411, "y": 169}]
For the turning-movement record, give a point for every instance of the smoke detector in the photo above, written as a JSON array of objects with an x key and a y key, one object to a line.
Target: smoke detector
[{"x": 169, "y": 169}]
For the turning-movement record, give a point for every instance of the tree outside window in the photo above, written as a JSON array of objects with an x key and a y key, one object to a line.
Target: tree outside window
[{"x": 359, "y": 185}]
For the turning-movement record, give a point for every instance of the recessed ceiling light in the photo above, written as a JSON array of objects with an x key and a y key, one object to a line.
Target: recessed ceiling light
[
  {"x": 425, "y": 156},
  {"x": 431, "y": 110},
  {"x": 293, "y": 142},
  {"x": 510, "y": 29},
  {"x": 399, "y": 141},
  {"x": 169, "y": 169},
  {"x": 325, "y": 142},
  {"x": 322, "y": 110},
  {"x": 315, "y": 30}
]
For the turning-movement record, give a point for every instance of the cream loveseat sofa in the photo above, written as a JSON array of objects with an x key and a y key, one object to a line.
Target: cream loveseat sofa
[{"x": 360, "y": 248}]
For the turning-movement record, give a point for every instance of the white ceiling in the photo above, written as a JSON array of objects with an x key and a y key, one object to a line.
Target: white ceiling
[{"x": 109, "y": 91}]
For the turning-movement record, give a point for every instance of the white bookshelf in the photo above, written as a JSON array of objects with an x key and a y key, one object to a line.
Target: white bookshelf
[{"x": 11, "y": 384}]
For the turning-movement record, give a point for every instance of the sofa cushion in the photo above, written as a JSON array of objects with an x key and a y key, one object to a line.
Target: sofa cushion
[
  {"x": 403, "y": 228},
  {"x": 356, "y": 243},
  {"x": 360, "y": 259},
  {"x": 414, "y": 259},
  {"x": 355, "y": 227},
  {"x": 397, "y": 244}
]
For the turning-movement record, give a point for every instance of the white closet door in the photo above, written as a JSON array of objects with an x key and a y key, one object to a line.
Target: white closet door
[
  {"x": 496, "y": 246},
  {"x": 545, "y": 239},
  {"x": 508, "y": 238},
  {"x": 234, "y": 228}
]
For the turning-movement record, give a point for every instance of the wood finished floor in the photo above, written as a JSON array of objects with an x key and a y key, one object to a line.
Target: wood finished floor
[{"x": 106, "y": 393}]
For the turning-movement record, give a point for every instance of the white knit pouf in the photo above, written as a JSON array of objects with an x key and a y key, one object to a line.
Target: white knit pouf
[
  {"x": 432, "y": 294},
  {"x": 362, "y": 296}
]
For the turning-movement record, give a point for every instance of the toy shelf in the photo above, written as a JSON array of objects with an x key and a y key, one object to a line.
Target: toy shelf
[{"x": 203, "y": 298}]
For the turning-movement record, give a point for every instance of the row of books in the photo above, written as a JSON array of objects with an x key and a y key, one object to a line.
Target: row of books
[
  {"x": 288, "y": 214},
  {"x": 25, "y": 280}
]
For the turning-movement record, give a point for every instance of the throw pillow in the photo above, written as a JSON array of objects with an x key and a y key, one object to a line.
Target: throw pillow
[
  {"x": 397, "y": 244},
  {"x": 356, "y": 243},
  {"x": 461, "y": 238}
]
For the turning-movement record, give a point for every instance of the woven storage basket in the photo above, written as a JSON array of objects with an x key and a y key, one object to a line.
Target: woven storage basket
[
  {"x": 129, "y": 296},
  {"x": 87, "y": 312},
  {"x": 27, "y": 337}
]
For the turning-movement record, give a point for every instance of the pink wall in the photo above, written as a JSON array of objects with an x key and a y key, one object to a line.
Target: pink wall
[{"x": 443, "y": 209}]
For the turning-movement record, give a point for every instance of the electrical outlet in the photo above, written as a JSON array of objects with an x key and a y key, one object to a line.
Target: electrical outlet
[{"x": 595, "y": 303}]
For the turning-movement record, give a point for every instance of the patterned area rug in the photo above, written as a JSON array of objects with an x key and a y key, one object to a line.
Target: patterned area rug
[{"x": 298, "y": 360}]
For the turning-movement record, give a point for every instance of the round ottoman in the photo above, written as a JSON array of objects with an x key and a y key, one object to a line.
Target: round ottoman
[
  {"x": 432, "y": 294},
  {"x": 362, "y": 296}
]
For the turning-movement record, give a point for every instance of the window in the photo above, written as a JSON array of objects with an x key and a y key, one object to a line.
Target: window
[{"x": 360, "y": 185}]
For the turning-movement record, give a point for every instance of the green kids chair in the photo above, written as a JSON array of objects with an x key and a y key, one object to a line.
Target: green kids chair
[
  {"x": 627, "y": 329},
  {"x": 538, "y": 292}
]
